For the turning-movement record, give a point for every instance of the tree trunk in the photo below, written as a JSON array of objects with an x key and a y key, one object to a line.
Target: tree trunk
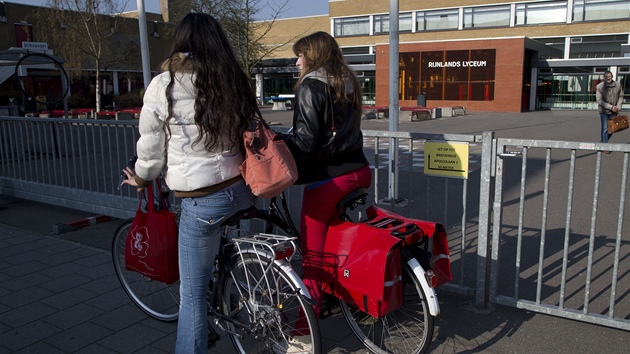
[{"x": 98, "y": 87}]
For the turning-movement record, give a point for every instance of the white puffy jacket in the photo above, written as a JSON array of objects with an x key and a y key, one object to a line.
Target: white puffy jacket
[{"x": 189, "y": 167}]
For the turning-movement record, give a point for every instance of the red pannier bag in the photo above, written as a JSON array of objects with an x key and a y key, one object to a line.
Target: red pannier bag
[
  {"x": 362, "y": 266},
  {"x": 437, "y": 256}
]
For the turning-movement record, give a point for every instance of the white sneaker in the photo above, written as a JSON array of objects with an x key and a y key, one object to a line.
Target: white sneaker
[{"x": 295, "y": 345}]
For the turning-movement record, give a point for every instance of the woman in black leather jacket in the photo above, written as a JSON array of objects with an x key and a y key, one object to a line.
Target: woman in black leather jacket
[{"x": 327, "y": 144}]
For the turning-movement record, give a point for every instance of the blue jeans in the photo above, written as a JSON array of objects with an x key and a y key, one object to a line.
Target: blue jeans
[
  {"x": 604, "y": 117},
  {"x": 198, "y": 247}
]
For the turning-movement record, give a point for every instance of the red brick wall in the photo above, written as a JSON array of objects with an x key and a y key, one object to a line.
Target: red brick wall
[{"x": 508, "y": 78}]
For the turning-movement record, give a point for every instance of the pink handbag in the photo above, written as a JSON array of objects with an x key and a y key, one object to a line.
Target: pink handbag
[{"x": 269, "y": 167}]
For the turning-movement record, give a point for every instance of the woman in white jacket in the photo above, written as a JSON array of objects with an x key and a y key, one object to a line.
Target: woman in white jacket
[{"x": 192, "y": 120}]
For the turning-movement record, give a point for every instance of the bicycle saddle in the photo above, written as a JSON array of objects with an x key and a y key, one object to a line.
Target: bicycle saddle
[{"x": 357, "y": 196}]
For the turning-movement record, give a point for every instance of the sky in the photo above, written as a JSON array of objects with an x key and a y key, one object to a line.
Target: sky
[{"x": 295, "y": 8}]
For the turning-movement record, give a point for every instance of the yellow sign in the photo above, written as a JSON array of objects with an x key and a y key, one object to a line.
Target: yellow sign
[{"x": 449, "y": 159}]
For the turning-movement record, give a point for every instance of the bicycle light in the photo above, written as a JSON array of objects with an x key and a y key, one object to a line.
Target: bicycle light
[
  {"x": 431, "y": 278},
  {"x": 282, "y": 252}
]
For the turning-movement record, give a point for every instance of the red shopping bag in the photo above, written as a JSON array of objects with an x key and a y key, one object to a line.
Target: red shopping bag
[{"x": 151, "y": 247}]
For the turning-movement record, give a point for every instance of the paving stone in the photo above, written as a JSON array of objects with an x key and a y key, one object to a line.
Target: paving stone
[
  {"x": 104, "y": 284},
  {"x": 40, "y": 347},
  {"x": 23, "y": 297},
  {"x": 29, "y": 334},
  {"x": 65, "y": 282},
  {"x": 63, "y": 269},
  {"x": 110, "y": 300},
  {"x": 76, "y": 338},
  {"x": 95, "y": 349},
  {"x": 131, "y": 339},
  {"x": 98, "y": 271},
  {"x": 24, "y": 268},
  {"x": 19, "y": 316},
  {"x": 53, "y": 258},
  {"x": 120, "y": 318},
  {"x": 25, "y": 281},
  {"x": 73, "y": 316},
  {"x": 70, "y": 297}
]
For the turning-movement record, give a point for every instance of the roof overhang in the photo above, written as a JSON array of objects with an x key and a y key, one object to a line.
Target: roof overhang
[
  {"x": 12, "y": 56},
  {"x": 563, "y": 63},
  {"x": 540, "y": 47}
]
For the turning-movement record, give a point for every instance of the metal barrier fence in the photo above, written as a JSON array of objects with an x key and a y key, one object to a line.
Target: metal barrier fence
[
  {"x": 519, "y": 235},
  {"x": 75, "y": 163},
  {"x": 557, "y": 243}
]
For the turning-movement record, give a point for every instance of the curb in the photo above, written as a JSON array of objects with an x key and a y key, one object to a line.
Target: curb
[{"x": 74, "y": 225}]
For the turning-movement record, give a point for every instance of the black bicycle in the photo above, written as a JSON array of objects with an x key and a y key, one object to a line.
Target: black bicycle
[{"x": 255, "y": 296}]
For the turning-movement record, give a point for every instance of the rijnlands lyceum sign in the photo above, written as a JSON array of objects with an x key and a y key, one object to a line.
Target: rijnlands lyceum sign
[{"x": 457, "y": 64}]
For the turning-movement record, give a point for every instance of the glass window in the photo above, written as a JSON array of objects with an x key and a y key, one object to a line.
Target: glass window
[
  {"x": 409, "y": 76},
  {"x": 355, "y": 50},
  {"x": 554, "y": 42},
  {"x": 431, "y": 74},
  {"x": 450, "y": 75},
  {"x": 593, "y": 10},
  {"x": 488, "y": 16},
  {"x": 354, "y": 26},
  {"x": 597, "y": 46},
  {"x": 456, "y": 83},
  {"x": 482, "y": 64},
  {"x": 437, "y": 20},
  {"x": 539, "y": 13},
  {"x": 381, "y": 23}
]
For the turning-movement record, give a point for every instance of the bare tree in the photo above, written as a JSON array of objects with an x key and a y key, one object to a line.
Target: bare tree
[
  {"x": 245, "y": 26},
  {"x": 87, "y": 27}
]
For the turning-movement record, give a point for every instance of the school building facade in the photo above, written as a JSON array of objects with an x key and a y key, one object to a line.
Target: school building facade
[{"x": 484, "y": 55}]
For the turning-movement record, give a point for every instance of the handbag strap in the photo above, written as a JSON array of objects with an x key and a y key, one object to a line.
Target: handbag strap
[
  {"x": 162, "y": 199},
  {"x": 149, "y": 194},
  {"x": 148, "y": 191}
]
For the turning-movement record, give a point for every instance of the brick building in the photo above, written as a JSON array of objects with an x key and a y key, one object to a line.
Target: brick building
[{"x": 506, "y": 56}]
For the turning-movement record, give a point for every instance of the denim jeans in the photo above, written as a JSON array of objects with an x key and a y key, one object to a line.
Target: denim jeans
[
  {"x": 604, "y": 117},
  {"x": 198, "y": 247}
]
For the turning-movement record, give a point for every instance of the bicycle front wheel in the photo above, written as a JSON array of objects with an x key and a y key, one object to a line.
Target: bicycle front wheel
[
  {"x": 156, "y": 299},
  {"x": 406, "y": 330},
  {"x": 270, "y": 314}
]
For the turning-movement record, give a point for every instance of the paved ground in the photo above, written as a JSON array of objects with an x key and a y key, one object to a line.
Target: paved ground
[{"x": 59, "y": 293}]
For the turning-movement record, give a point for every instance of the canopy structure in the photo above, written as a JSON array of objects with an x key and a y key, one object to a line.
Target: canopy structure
[{"x": 9, "y": 59}]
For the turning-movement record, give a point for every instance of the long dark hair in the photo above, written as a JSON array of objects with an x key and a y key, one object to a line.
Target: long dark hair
[
  {"x": 225, "y": 104},
  {"x": 320, "y": 50}
]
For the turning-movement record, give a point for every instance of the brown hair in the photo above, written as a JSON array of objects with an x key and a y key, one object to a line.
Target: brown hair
[
  {"x": 225, "y": 103},
  {"x": 320, "y": 50}
]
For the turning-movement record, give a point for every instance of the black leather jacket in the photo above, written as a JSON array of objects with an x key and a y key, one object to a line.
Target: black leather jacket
[{"x": 326, "y": 140}]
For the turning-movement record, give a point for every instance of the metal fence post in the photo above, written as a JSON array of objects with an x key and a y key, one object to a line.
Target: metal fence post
[{"x": 483, "y": 259}]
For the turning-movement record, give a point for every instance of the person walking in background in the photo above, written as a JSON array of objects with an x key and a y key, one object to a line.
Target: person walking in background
[
  {"x": 609, "y": 96},
  {"x": 327, "y": 144},
  {"x": 192, "y": 122}
]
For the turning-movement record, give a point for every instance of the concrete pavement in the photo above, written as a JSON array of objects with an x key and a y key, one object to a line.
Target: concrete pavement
[{"x": 59, "y": 293}]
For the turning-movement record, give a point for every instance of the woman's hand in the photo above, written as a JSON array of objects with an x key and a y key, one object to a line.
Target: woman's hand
[{"x": 130, "y": 180}]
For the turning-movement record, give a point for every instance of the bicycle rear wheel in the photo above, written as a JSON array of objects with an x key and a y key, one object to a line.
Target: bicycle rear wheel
[
  {"x": 268, "y": 305},
  {"x": 156, "y": 299},
  {"x": 406, "y": 330}
]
